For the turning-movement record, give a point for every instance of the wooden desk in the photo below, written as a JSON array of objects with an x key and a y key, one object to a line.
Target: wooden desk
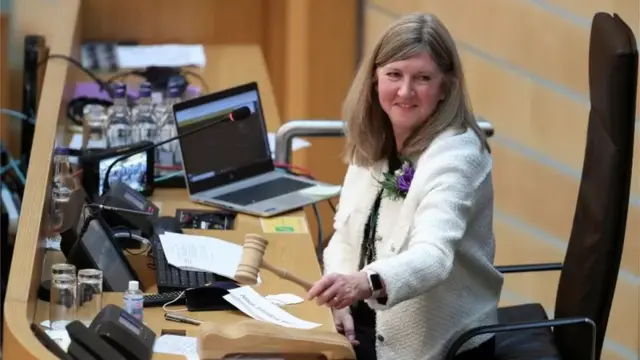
[
  {"x": 226, "y": 66},
  {"x": 291, "y": 251}
]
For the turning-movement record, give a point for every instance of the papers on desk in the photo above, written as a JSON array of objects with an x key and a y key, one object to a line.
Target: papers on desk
[
  {"x": 201, "y": 253},
  {"x": 177, "y": 345},
  {"x": 172, "y": 55},
  {"x": 253, "y": 304}
]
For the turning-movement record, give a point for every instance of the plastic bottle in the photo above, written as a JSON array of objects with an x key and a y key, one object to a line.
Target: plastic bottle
[
  {"x": 119, "y": 119},
  {"x": 144, "y": 124},
  {"x": 134, "y": 300}
]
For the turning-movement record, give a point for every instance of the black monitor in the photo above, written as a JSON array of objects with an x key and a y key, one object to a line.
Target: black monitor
[{"x": 97, "y": 248}]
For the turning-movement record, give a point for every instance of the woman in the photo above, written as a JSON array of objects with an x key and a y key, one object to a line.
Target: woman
[{"x": 411, "y": 260}]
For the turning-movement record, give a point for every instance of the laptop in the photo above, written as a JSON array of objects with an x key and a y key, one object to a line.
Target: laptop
[{"x": 229, "y": 165}]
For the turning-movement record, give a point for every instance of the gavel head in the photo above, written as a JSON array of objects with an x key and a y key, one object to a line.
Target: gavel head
[{"x": 251, "y": 260}]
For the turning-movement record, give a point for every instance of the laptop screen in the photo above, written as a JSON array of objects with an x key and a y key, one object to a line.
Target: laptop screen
[{"x": 226, "y": 152}]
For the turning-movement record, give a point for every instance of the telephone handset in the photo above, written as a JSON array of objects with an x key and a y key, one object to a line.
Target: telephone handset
[
  {"x": 113, "y": 334},
  {"x": 126, "y": 334},
  {"x": 88, "y": 345}
]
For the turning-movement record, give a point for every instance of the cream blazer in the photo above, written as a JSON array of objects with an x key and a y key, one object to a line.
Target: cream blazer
[{"x": 435, "y": 249}]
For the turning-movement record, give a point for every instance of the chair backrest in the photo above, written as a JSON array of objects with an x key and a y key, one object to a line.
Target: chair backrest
[{"x": 588, "y": 279}]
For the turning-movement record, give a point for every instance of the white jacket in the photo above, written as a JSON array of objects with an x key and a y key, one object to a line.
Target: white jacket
[{"x": 436, "y": 250}]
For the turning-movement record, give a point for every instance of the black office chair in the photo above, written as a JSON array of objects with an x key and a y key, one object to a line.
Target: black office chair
[{"x": 590, "y": 270}]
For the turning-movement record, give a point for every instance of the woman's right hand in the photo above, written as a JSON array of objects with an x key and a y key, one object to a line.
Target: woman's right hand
[{"x": 344, "y": 324}]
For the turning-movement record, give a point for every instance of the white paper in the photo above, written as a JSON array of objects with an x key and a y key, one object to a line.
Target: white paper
[
  {"x": 256, "y": 306},
  {"x": 296, "y": 143},
  {"x": 177, "y": 345},
  {"x": 61, "y": 337},
  {"x": 284, "y": 299},
  {"x": 202, "y": 253},
  {"x": 173, "y": 55},
  {"x": 76, "y": 143},
  {"x": 63, "y": 324},
  {"x": 322, "y": 190}
]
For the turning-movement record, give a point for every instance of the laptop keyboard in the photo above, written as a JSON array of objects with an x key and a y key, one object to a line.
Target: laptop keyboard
[{"x": 264, "y": 191}]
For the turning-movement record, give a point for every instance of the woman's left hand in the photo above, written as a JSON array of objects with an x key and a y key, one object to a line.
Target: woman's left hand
[{"x": 339, "y": 290}]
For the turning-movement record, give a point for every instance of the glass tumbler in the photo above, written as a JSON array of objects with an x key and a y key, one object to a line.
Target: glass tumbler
[
  {"x": 63, "y": 296},
  {"x": 89, "y": 294}
]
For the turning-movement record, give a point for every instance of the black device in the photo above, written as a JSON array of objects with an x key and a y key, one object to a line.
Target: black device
[
  {"x": 166, "y": 223},
  {"x": 375, "y": 283},
  {"x": 126, "y": 207},
  {"x": 35, "y": 53},
  {"x": 97, "y": 248},
  {"x": 137, "y": 171},
  {"x": 49, "y": 343},
  {"x": 206, "y": 219},
  {"x": 170, "y": 278},
  {"x": 87, "y": 345},
  {"x": 126, "y": 334},
  {"x": 155, "y": 300},
  {"x": 210, "y": 297},
  {"x": 235, "y": 115}
]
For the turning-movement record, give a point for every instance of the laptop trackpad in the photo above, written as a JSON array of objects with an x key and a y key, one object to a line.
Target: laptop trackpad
[{"x": 292, "y": 200}]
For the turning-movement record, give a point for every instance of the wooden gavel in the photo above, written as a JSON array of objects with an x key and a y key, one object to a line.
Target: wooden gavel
[{"x": 252, "y": 261}]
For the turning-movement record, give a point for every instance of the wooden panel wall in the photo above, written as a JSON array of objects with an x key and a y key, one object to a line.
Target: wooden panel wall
[{"x": 526, "y": 63}]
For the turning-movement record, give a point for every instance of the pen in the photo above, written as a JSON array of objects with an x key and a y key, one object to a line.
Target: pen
[{"x": 181, "y": 319}]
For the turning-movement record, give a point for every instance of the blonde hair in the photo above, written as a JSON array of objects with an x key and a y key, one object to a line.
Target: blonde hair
[{"x": 369, "y": 135}]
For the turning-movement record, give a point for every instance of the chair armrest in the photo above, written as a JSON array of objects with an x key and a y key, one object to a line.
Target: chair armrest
[
  {"x": 526, "y": 325},
  {"x": 508, "y": 269}
]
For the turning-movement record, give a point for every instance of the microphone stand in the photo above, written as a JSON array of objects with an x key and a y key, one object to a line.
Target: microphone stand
[{"x": 236, "y": 115}]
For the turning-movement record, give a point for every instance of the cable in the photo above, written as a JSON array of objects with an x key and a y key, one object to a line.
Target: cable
[
  {"x": 102, "y": 84},
  {"x": 18, "y": 115},
  {"x": 128, "y": 234},
  {"x": 13, "y": 164},
  {"x": 164, "y": 307}
]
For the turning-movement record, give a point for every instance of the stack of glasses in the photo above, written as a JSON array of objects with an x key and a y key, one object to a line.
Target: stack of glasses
[{"x": 74, "y": 297}]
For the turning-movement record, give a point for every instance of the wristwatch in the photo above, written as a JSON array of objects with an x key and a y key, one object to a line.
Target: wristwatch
[{"x": 375, "y": 283}]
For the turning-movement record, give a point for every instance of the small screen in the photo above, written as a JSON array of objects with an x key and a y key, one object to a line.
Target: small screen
[
  {"x": 131, "y": 171},
  {"x": 227, "y": 146},
  {"x": 107, "y": 257},
  {"x": 129, "y": 325}
]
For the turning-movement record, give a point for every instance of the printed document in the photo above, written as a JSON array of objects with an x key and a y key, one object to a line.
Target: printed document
[
  {"x": 201, "y": 253},
  {"x": 256, "y": 306},
  {"x": 186, "y": 346}
]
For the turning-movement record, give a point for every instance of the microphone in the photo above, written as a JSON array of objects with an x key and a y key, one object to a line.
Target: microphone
[
  {"x": 112, "y": 208},
  {"x": 236, "y": 115}
]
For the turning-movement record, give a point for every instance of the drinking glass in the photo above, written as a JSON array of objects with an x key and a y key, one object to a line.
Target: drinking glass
[
  {"x": 63, "y": 269},
  {"x": 89, "y": 294},
  {"x": 63, "y": 296}
]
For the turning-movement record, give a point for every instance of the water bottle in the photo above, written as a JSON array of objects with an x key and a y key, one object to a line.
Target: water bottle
[
  {"x": 144, "y": 124},
  {"x": 134, "y": 300},
  {"x": 61, "y": 188},
  {"x": 166, "y": 155},
  {"x": 119, "y": 120}
]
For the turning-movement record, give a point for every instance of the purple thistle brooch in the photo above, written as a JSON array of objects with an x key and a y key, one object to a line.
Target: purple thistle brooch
[{"x": 396, "y": 185}]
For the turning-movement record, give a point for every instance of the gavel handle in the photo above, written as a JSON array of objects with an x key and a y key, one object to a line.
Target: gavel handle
[{"x": 283, "y": 274}]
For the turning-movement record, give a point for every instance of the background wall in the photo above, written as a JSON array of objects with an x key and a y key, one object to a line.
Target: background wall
[{"x": 526, "y": 64}]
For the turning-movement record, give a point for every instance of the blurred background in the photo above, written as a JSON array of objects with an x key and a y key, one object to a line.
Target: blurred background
[{"x": 526, "y": 63}]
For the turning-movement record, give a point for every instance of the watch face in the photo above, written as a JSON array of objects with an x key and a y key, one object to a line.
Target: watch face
[{"x": 375, "y": 282}]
